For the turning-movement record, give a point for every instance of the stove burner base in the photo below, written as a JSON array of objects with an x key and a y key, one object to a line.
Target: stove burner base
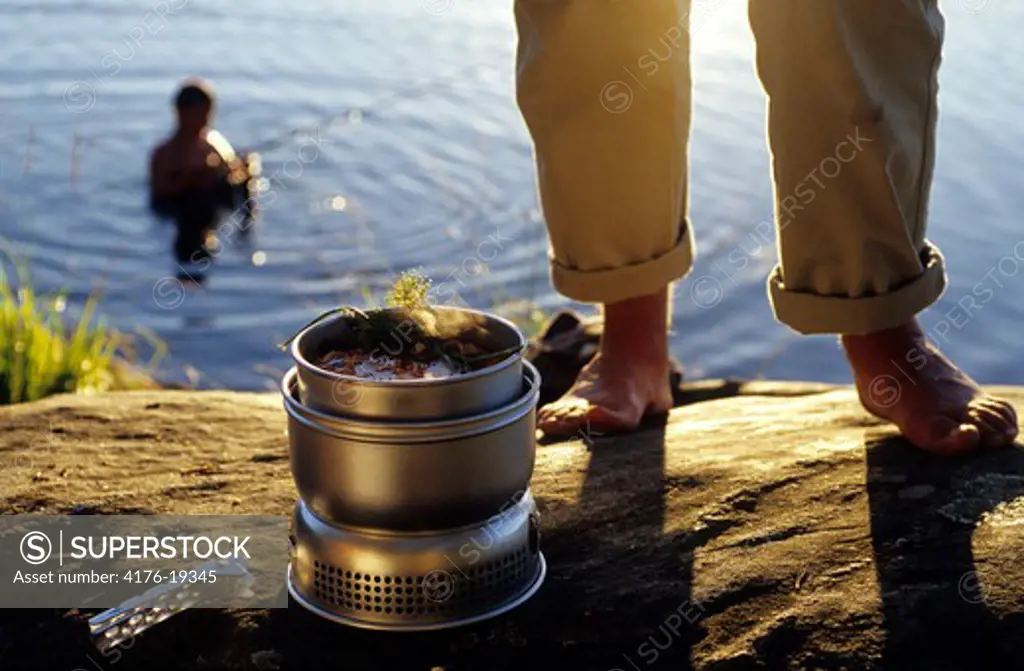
[{"x": 422, "y": 581}]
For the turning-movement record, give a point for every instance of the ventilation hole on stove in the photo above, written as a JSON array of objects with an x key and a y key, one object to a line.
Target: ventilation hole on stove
[
  {"x": 376, "y": 578},
  {"x": 358, "y": 576},
  {"x": 398, "y": 610},
  {"x": 387, "y": 610},
  {"x": 387, "y": 580},
  {"x": 377, "y": 589},
  {"x": 376, "y": 599},
  {"x": 376, "y": 609}
]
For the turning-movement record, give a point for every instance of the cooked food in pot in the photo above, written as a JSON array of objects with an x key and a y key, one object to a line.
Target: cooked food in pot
[{"x": 375, "y": 366}]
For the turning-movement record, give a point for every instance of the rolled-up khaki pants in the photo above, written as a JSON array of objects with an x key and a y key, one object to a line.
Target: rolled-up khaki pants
[{"x": 605, "y": 89}]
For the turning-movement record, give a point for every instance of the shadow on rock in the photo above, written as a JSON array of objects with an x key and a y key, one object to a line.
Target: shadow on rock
[
  {"x": 597, "y": 555},
  {"x": 924, "y": 513}
]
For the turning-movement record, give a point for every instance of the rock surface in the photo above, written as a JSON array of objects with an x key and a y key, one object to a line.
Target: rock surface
[{"x": 781, "y": 526}]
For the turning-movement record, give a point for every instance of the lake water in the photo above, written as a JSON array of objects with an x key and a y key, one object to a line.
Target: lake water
[{"x": 414, "y": 152}]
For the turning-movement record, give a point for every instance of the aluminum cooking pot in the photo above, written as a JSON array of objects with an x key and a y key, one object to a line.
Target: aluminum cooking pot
[
  {"x": 412, "y": 476},
  {"x": 418, "y": 399}
]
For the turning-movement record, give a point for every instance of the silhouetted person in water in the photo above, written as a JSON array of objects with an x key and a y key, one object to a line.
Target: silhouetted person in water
[{"x": 196, "y": 175}]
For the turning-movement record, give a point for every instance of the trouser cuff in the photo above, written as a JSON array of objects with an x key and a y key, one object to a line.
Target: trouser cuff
[
  {"x": 809, "y": 313},
  {"x": 630, "y": 281}
]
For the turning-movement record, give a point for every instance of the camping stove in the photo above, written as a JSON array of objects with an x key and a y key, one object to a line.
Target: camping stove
[
  {"x": 377, "y": 579},
  {"x": 415, "y": 509}
]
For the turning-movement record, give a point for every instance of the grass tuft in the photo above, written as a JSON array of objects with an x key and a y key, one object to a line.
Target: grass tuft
[{"x": 42, "y": 355}]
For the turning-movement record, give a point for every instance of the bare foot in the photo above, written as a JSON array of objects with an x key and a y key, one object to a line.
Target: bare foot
[
  {"x": 626, "y": 380},
  {"x": 903, "y": 378}
]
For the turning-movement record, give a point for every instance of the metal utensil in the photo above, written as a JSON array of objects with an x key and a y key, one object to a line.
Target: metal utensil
[{"x": 117, "y": 625}]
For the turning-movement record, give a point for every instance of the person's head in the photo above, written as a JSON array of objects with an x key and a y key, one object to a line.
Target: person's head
[{"x": 194, "y": 105}]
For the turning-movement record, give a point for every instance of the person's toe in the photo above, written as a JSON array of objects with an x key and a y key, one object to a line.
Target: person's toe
[
  {"x": 1006, "y": 412},
  {"x": 571, "y": 416},
  {"x": 990, "y": 423},
  {"x": 961, "y": 439},
  {"x": 944, "y": 435},
  {"x": 563, "y": 418},
  {"x": 550, "y": 420}
]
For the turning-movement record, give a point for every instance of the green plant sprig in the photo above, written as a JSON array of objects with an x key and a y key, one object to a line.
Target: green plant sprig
[{"x": 372, "y": 328}]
